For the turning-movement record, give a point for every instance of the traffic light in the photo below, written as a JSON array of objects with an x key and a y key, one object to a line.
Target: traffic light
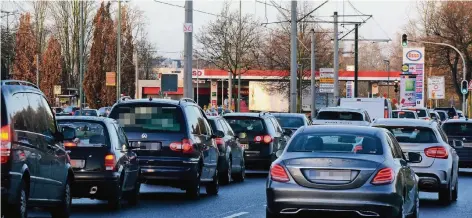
[
  {"x": 464, "y": 87},
  {"x": 395, "y": 85},
  {"x": 404, "y": 40}
]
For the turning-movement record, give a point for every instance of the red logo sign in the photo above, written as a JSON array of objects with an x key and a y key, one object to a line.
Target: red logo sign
[{"x": 197, "y": 72}]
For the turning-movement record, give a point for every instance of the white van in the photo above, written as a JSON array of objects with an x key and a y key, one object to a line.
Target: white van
[{"x": 376, "y": 107}]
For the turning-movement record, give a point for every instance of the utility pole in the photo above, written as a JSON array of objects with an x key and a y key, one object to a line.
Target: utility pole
[
  {"x": 37, "y": 69},
  {"x": 239, "y": 58},
  {"x": 293, "y": 58},
  {"x": 313, "y": 89},
  {"x": 387, "y": 66},
  {"x": 356, "y": 60},
  {"x": 136, "y": 79},
  {"x": 198, "y": 69},
  {"x": 336, "y": 59},
  {"x": 81, "y": 56},
  {"x": 188, "y": 50},
  {"x": 230, "y": 90},
  {"x": 118, "y": 56}
]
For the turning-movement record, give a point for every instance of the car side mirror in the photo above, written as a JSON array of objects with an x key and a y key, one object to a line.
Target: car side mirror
[
  {"x": 67, "y": 134},
  {"x": 288, "y": 132},
  {"x": 218, "y": 134},
  {"x": 279, "y": 153},
  {"x": 241, "y": 135},
  {"x": 413, "y": 157},
  {"x": 457, "y": 144}
]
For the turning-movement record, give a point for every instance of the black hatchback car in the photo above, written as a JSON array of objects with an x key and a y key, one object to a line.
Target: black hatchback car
[
  {"x": 105, "y": 166},
  {"x": 35, "y": 168},
  {"x": 264, "y": 137},
  {"x": 231, "y": 160},
  {"x": 174, "y": 143},
  {"x": 292, "y": 121}
]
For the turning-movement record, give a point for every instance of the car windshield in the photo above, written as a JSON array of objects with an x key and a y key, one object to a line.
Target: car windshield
[
  {"x": 70, "y": 109},
  {"x": 213, "y": 124},
  {"x": 246, "y": 124},
  {"x": 290, "y": 122},
  {"x": 337, "y": 115},
  {"x": 86, "y": 113},
  {"x": 409, "y": 134},
  {"x": 336, "y": 143},
  {"x": 458, "y": 129},
  {"x": 404, "y": 114},
  {"x": 88, "y": 134},
  {"x": 149, "y": 118}
]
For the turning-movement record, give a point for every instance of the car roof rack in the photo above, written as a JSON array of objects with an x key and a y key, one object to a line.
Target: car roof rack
[
  {"x": 187, "y": 100},
  {"x": 18, "y": 82}
]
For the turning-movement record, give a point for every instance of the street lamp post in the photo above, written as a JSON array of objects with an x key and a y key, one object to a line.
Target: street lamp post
[{"x": 387, "y": 65}]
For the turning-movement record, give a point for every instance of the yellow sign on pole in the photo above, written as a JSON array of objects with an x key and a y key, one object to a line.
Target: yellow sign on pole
[
  {"x": 57, "y": 90},
  {"x": 110, "y": 79}
]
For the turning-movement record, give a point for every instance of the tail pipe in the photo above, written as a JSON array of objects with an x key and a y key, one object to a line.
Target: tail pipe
[{"x": 93, "y": 190}]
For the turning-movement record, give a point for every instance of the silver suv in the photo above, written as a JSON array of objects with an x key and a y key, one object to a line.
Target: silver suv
[{"x": 438, "y": 168}]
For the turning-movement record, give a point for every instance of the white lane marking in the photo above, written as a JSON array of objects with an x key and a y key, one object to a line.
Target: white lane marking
[{"x": 236, "y": 215}]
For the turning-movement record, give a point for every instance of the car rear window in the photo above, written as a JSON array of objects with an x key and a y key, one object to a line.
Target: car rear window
[
  {"x": 336, "y": 115},
  {"x": 451, "y": 112},
  {"x": 149, "y": 117},
  {"x": 290, "y": 122},
  {"x": 409, "y": 134},
  {"x": 86, "y": 113},
  {"x": 442, "y": 115},
  {"x": 403, "y": 114},
  {"x": 247, "y": 124},
  {"x": 4, "y": 112},
  {"x": 336, "y": 143},
  {"x": 420, "y": 112},
  {"x": 88, "y": 133},
  {"x": 458, "y": 129}
]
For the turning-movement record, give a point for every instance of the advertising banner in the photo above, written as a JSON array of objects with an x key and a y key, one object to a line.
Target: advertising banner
[
  {"x": 214, "y": 93},
  {"x": 436, "y": 89},
  {"x": 414, "y": 59},
  {"x": 350, "y": 89},
  {"x": 408, "y": 91}
]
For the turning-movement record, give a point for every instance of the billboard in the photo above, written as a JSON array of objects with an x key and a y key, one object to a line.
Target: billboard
[
  {"x": 264, "y": 97},
  {"x": 214, "y": 93},
  {"x": 408, "y": 91},
  {"x": 436, "y": 89},
  {"x": 413, "y": 61}
]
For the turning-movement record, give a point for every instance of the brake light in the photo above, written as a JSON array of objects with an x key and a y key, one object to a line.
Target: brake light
[
  {"x": 5, "y": 147},
  {"x": 70, "y": 144},
  {"x": 185, "y": 146},
  {"x": 110, "y": 162},
  {"x": 278, "y": 173},
  {"x": 263, "y": 138},
  {"x": 384, "y": 176},
  {"x": 219, "y": 141},
  {"x": 436, "y": 152},
  {"x": 385, "y": 113}
]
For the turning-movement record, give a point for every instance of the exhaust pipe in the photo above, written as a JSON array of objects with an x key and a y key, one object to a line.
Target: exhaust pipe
[{"x": 93, "y": 190}]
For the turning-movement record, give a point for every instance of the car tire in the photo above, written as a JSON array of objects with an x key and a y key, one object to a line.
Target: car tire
[
  {"x": 445, "y": 195},
  {"x": 241, "y": 176},
  {"x": 193, "y": 191},
  {"x": 455, "y": 192},
  {"x": 133, "y": 195},
  {"x": 225, "y": 178},
  {"x": 115, "y": 202},
  {"x": 213, "y": 187},
  {"x": 272, "y": 215},
  {"x": 63, "y": 209},
  {"x": 20, "y": 208}
]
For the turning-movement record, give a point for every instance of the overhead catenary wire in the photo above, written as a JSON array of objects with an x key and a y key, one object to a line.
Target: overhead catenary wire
[{"x": 196, "y": 10}]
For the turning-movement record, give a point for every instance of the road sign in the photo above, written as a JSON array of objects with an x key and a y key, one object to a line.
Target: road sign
[
  {"x": 110, "y": 79},
  {"x": 405, "y": 68},
  {"x": 326, "y": 80},
  {"x": 188, "y": 27},
  {"x": 436, "y": 89},
  {"x": 169, "y": 83},
  {"x": 57, "y": 90}
]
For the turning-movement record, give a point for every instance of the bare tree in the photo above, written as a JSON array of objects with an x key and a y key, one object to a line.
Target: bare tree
[
  {"x": 220, "y": 44},
  {"x": 371, "y": 56},
  {"x": 39, "y": 17}
]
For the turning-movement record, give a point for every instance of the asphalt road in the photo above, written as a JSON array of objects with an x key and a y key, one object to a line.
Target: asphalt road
[{"x": 242, "y": 200}]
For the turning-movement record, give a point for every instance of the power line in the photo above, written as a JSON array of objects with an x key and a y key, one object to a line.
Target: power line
[{"x": 179, "y": 6}]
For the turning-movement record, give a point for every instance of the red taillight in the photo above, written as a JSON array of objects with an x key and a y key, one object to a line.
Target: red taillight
[
  {"x": 220, "y": 141},
  {"x": 186, "y": 146},
  {"x": 436, "y": 152},
  {"x": 385, "y": 113},
  {"x": 69, "y": 144},
  {"x": 263, "y": 138},
  {"x": 384, "y": 176},
  {"x": 278, "y": 173},
  {"x": 110, "y": 162},
  {"x": 6, "y": 137}
]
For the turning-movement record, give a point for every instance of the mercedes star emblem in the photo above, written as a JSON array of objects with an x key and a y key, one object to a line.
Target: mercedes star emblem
[{"x": 144, "y": 136}]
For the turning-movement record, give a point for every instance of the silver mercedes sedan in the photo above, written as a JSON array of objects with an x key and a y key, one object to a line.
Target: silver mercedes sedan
[{"x": 342, "y": 171}]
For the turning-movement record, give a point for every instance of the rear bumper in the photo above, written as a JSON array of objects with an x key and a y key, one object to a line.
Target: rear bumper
[
  {"x": 431, "y": 180},
  {"x": 289, "y": 198},
  {"x": 257, "y": 161},
  {"x": 104, "y": 182},
  {"x": 176, "y": 175}
]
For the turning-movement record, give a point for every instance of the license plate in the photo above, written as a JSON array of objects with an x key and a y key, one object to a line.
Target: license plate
[
  {"x": 468, "y": 145},
  {"x": 245, "y": 146},
  {"x": 337, "y": 175},
  {"x": 77, "y": 163},
  {"x": 154, "y": 146}
]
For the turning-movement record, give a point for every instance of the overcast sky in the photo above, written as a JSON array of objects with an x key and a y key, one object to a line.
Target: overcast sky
[{"x": 165, "y": 22}]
